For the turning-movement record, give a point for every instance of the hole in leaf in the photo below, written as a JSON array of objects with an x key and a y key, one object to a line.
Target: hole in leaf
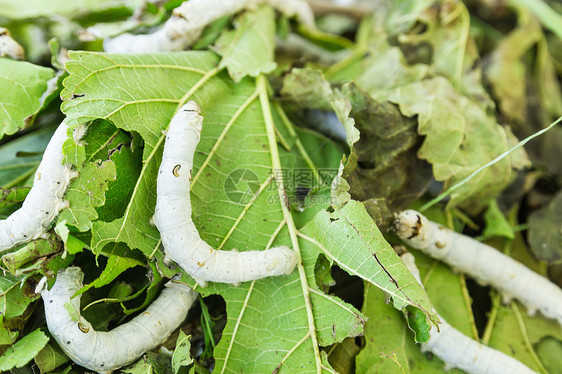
[{"x": 348, "y": 288}]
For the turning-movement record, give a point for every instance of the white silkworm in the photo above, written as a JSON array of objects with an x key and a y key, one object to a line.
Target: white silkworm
[
  {"x": 172, "y": 216},
  {"x": 9, "y": 47},
  {"x": 190, "y": 18},
  {"x": 459, "y": 351},
  {"x": 45, "y": 199},
  {"x": 481, "y": 262},
  {"x": 109, "y": 350}
]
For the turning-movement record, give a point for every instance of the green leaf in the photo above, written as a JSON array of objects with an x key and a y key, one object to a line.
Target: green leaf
[
  {"x": 72, "y": 312},
  {"x": 50, "y": 358},
  {"x": 29, "y": 252},
  {"x": 12, "y": 196},
  {"x": 496, "y": 223},
  {"x": 545, "y": 236},
  {"x": 549, "y": 351},
  {"x": 342, "y": 356},
  {"x": 126, "y": 154},
  {"x": 510, "y": 329},
  {"x": 20, "y": 157},
  {"x": 349, "y": 238},
  {"x": 139, "y": 367},
  {"x": 72, "y": 245},
  {"x": 514, "y": 333},
  {"x": 506, "y": 71},
  {"x": 287, "y": 316},
  {"x": 417, "y": 323},
  {"x": 382, "y": 170},
  {"x": 87, "y": 192},
  {"x": 249, "y": 49},
  {"x": 459, "y": 138},
  {"x": 39, "y": 8},
  {"x": 115, "y": 266},
  {"x": 7, "y": 336},
  {"x": 151, "y": 292},
  {"x": 181, "y": 356},
  {"x": 23, "y": 350},
  {"x": 22, "y": 86},
  {"x": 15, "y": 297},
  {"x": 66, "y": 370},
  {"x": 390, "y": 346},
  {"x": 548, "y": 16},
  {"x": 382, "y": 67},
  {"x": 151, "y": 363},
  {"x": 105, "y": 311}
]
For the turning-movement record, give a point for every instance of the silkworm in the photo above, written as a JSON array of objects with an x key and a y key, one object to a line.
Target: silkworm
[
  {"x": 9, "y": 47},
  {"x": 45, "y": 199},
  {"x": 481, "y": 262},
  {"x": 109, "y": 350},
  {"x": 459, "y": 351},
  {"x": 172, "y": 216},
  {"x": 191, "y": 17}
]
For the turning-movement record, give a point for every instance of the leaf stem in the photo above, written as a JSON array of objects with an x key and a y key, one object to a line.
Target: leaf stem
[
  {"x": 491, "y": 318},
  {"x": 207, "y": 323},
  {"x": 523, "y": 330},
  {"x": 289, "y": 125},
  {"x": 276, "y": 163},
  {"x": 466, "y": 299}
]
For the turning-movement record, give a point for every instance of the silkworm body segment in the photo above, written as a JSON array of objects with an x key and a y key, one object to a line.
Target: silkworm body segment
[
  {"x": 188, "y": 20},
  {"x": 172, "y": 216},
  {"x": 459, "y": 351},
  {"x": 481, "y": 262},
  {"x": 45, "y": 199},
  {"x": 107, "y": 351}
]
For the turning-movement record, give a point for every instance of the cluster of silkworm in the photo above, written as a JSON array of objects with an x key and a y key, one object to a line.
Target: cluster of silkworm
[
  {"x": 481, "y": 262},
  {"x": 110, "y": 350},
  {"x": 189, "y": 19},
  {"x": 106, "y": 351},
  {"x": 45, "y": 199},
  {"x": 459, "y": 351},
  {"x": 172, "y": 216}
]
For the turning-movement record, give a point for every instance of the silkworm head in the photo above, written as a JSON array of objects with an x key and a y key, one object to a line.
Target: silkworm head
[
  {"x": 192, "y": 113},
  {"x": 281, "y": 258},
  {"x": 191, "y": 106},
  {"x": 407, "y": 224}
]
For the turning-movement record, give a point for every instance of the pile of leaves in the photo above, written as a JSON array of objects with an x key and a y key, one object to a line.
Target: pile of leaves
[{"x": 312, "y": 138}]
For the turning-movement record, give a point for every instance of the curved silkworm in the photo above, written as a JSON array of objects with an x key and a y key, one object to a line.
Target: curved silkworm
[
  {"x": 172, "y": 216},
  {"x": 481, "y": 262},
  {"x": 191, "y": 17},
  {"x": 459, "y": 351},
  {"x": 45, "y": 199},
  {"x": 110, "y": 350}
]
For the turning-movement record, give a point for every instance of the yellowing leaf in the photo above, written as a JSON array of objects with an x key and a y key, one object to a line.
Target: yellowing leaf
[{"x": 459, "y": 138}]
